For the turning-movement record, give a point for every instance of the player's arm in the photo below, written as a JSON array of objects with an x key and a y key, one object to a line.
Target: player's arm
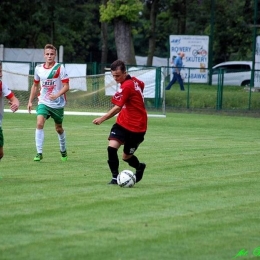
[
  {"x": 112, "y": 112},
  {"x": 14, "y": 103},
  {"x": 33, "y": 93},
  {"x": 65, "y": 88}
]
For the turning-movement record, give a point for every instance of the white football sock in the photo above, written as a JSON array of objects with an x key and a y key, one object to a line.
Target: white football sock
[
  {"x": 62, "y": 140},
  {"x": 39, "y": 138}
]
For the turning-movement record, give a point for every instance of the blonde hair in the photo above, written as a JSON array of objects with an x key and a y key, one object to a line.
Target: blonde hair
[{"x": 50, "y": 46}]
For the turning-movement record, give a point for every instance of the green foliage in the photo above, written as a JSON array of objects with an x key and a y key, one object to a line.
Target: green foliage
[
  {"x": 126, "y": 10},
  {"x": 232, "y": 33},
  {"x": 66, "y": 23},
  {"x": 75, "y": 24}
]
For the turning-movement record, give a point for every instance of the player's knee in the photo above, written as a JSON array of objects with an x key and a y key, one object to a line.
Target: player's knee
[
  {"x": 112, "y": 153},
  {"x": 40, "y": 122},
  {"x": 127, "y": 158},
  {"x": 1, "y": 152},
  {"x": 111, "y": 150},
  {"x": 59, "y": 129},
  {"x": 132, "y": 161},
  {"x": 39, "y": 125}
]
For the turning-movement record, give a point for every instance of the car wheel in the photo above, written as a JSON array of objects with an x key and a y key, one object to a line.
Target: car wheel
[{"x": 246, "y": 83}]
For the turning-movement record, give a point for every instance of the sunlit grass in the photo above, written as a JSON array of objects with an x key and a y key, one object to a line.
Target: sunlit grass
[{"x": 199, "y": 198}]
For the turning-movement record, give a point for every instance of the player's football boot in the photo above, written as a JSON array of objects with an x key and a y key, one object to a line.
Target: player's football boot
[
  {"x": 64, "y": 156},
  {"x": 38, "y": 157},
  {"x": 140, "y": 171},
  {"x": 113, "y": 181}
]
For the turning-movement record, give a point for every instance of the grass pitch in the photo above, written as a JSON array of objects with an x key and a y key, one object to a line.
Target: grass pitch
[{"x": 199, "y": 198}]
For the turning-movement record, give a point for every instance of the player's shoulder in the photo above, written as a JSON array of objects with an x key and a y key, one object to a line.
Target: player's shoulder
[
  {"x": 60, "y": 65},
  {"x": 128, "y": 82},
  {"x": 3, "y": 87},
  {"x": 138, "y": 81},
  {"x": 39, "y": 66}
]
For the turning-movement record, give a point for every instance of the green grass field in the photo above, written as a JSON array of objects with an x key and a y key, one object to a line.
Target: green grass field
[{"x": 199, "y": 198}]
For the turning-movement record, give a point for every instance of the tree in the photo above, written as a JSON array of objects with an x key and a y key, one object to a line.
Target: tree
[
  {"x": 64, "y": 23},
  {"x": 122, "y": 13},
  {"x": 127, "y": 26},
  {"x": 152, "y": 6},
  {"x": 233, "y": 36},
  {"x": 104, "y": 38},
  {"x": 178, "y": 10}
]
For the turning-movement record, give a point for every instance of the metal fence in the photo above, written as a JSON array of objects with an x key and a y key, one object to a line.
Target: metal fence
[{"x": 218, "y": 96}]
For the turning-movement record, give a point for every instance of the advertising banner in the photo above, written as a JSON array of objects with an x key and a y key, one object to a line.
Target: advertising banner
[
  {"x": 257, "y": 63},
  {"x": 148, "y": 76},
  {"x": 196, "y": 53}
]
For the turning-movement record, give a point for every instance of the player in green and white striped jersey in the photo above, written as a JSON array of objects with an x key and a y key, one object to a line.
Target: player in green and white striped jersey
[{"x": 51, "y": 82}]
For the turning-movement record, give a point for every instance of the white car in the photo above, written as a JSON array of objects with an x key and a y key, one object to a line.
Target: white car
[{"x": 236, "y": 73}]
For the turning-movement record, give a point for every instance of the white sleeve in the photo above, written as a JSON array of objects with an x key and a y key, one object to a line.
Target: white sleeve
[{"x": 5, "y": 90}]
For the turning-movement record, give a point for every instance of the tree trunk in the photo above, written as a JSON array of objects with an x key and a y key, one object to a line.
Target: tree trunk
[
  {"x": 104, "y": 42},
  {"x": 152, "y": 36},
  {"x": 182, "y": 17},
  {"x": 123, "y": 40},
  {"x": 104, "y": 47}
]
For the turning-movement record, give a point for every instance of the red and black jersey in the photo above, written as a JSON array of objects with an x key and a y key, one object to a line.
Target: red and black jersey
[{"x": 133, "y": 115}]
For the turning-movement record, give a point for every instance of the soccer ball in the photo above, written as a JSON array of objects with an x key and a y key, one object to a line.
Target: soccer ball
[{"x": 126, "y": 179}]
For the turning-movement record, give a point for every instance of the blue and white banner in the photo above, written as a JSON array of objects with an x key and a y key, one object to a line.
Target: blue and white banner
[
  {"x": 195, "y": 62},
  {"x": 257, "y": 63}
]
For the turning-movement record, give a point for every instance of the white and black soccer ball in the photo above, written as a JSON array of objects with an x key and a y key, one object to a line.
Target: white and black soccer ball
[{"x": 126, "y": 179}]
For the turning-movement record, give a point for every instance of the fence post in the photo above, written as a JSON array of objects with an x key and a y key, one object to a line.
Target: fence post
[
  {"x": 95, "y": 83},
  {"x": 188, "y": 90},
  {"x": 250, "y": 88},
  {"x": 220, "y": 89},
  {"x": 158, "y": 76}
]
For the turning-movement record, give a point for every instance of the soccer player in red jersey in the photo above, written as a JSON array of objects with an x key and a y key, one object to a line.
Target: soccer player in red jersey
[{"x": 131, "y": 122}]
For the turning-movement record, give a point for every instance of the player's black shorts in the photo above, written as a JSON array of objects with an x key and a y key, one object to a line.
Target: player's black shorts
[{"x": 129, "y": 139}]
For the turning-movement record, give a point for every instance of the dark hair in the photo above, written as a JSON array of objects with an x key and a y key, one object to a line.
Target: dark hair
[{"x": 118, "y": 64}]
